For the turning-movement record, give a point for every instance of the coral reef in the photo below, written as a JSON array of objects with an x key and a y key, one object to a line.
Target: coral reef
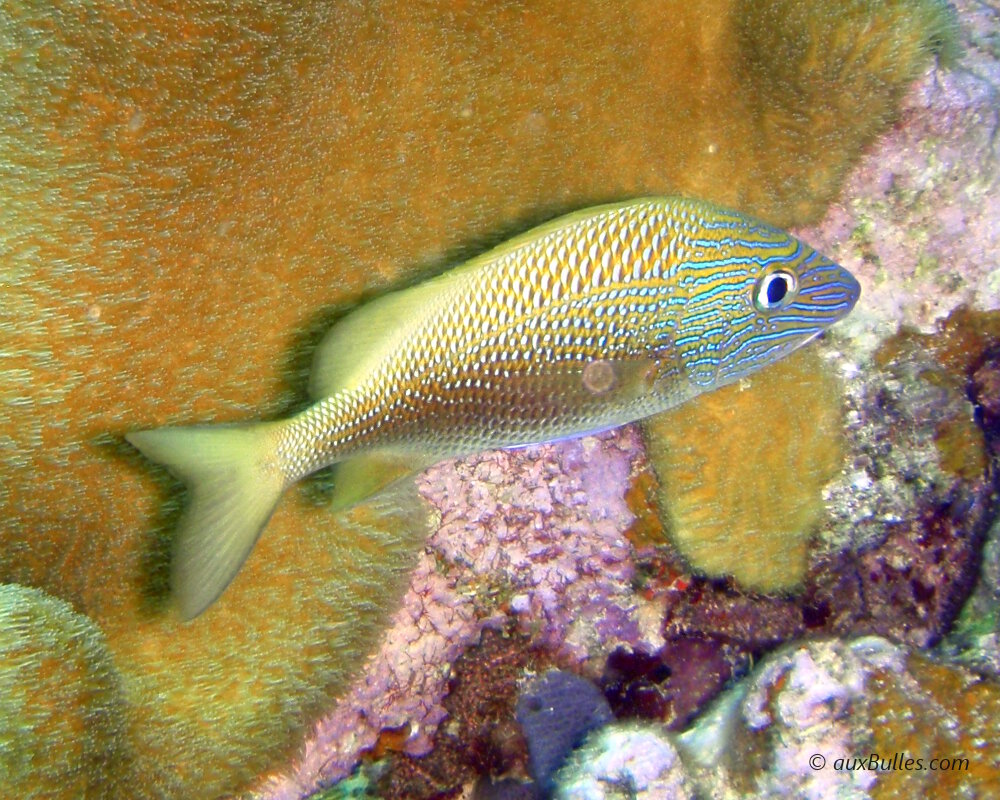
[
  {"x": 481, "y": 743},
  {"x": 742, "y": 472},
  {"x": 195, "y": 191},
  {"x": 624, "y": 761},
  {"x": 859, "y": 718},
  {"x": 916, "y": 221},
  {"x": 863, "y": 718},
  {"x": 976, "y": 637},
  {"x": 536, "y": 533},
  {"x": 897, "y": 551},
  {"x": 60, "y": 691},
  {"x": 912, "y": 510}
]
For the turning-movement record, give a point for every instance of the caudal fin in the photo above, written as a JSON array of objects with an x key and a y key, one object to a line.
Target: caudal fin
[{"x": 231, "y": 497}]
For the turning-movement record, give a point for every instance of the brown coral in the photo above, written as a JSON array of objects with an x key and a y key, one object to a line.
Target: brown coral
[
  {"x": 61, "y": 694},
  {"x": 742, "y": 472},
  {"x": 954, "y": 718},
  {"x": 861, "y": 717}
]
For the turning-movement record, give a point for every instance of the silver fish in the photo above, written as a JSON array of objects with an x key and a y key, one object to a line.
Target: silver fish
[{"x": 591, "y": 321}]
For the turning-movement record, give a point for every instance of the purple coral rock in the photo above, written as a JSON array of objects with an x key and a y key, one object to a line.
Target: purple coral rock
[
  {"x": 916, "y": 220},
  {"x": 401, "y": 685},
  {"x": 545, "y": 523}
]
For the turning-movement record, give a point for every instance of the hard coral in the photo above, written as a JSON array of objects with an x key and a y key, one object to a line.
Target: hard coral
[
  {"x": 742, "y": 471},
  {"x": 831, "y": 718},
  {"x": 536, "y": 532},
  {"x": 63, "y": 719},
  {"x": 916, "y": 220},
  {"x": 174, "y": 169},
  {"x": 624, "y": 761},
  {"x": 852, "y": 58}
]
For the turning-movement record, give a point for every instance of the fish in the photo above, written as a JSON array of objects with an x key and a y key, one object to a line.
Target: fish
[{"x": 593, "y": 320}]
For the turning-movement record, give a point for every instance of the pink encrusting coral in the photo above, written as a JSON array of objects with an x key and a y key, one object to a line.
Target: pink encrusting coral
[
  {"x": 402, "y": 685},
  {"x": 538, "y": 532},
  {"x": 916, "y": 219},
  {"x": 549, "y": 523}
]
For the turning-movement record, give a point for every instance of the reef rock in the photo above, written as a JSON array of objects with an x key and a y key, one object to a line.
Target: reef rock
[
  {"x": 863, "y": 718},
  {"x": 624, "y": 761}
]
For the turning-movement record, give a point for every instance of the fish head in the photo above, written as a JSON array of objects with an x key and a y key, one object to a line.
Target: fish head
[{"x": 773, "y": 296}]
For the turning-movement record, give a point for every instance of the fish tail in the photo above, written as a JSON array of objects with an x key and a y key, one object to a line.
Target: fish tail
[{"x": 233, "y": 486}]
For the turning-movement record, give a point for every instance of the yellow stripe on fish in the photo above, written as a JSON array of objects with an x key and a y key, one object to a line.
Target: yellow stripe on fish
[{"x": 594, "y": 320}]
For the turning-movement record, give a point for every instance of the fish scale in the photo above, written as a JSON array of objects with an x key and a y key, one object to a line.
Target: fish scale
[
  {"x": 529, "y": 308},
  {"x": 594, "y": 320}
]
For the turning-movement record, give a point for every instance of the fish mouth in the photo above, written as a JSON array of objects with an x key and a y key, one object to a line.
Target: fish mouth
[
  {"x": 853, "y": 287},
  {"x": 827, "y": 293},
  {"x": 848, "y": 285}
]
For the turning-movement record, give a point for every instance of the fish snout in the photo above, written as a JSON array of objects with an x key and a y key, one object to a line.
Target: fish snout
[{"x": 827, "y": 292}]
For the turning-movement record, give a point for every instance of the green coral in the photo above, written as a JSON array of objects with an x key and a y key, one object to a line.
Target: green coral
[
  {"x": 809, "y": 66},
  {"x": 360, "y": 785},
  {"x": 62, "y": 720}
]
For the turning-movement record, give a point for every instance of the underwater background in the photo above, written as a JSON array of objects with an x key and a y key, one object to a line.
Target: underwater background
[{"x": 804, "y": 564}]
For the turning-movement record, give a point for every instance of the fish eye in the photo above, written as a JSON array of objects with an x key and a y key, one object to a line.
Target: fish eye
[{"x": 774, "y": 290}]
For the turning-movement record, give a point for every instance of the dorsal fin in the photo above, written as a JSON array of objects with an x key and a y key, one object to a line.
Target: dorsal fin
[{"x": 365, "y": 337}]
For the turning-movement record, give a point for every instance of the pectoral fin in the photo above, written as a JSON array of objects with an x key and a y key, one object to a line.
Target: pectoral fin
[{"x": 365, "y": 475}]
